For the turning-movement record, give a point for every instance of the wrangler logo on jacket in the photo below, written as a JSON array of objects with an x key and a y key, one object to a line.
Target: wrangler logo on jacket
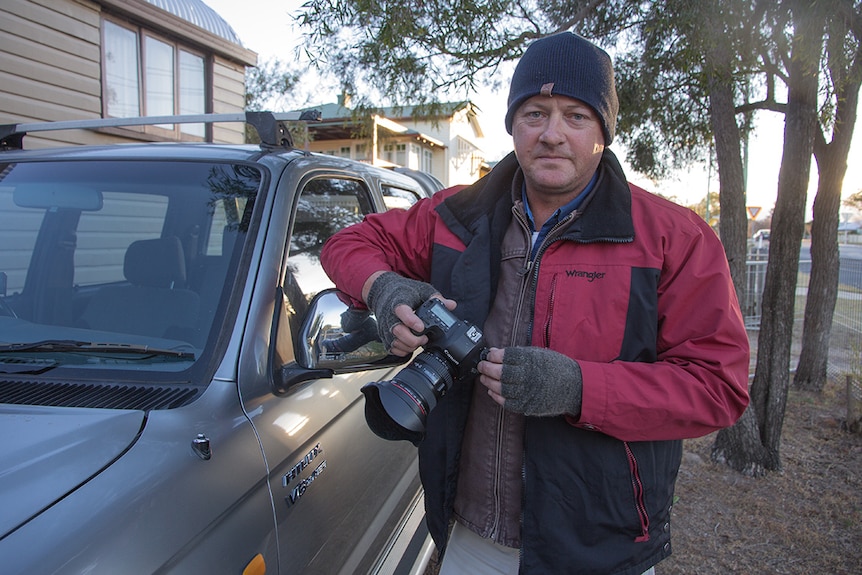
[{"x": 590, "y": 276}]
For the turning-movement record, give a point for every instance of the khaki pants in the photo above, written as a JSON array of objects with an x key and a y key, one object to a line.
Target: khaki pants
[{"x": 470, "y": 554}]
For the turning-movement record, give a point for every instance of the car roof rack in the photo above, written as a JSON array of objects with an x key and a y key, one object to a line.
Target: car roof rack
[{"x": 270, "y": 126}]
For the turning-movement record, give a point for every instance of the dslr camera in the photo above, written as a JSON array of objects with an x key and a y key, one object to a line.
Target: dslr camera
[{"x": 397, "y": 408}]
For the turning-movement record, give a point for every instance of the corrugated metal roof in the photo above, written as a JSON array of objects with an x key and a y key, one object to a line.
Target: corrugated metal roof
[{"x": 199, "y": 14}]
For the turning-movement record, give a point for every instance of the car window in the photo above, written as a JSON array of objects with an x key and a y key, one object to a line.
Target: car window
[
  {"x": 325, "y": 206},
  {"x": 395, "y": 197}
]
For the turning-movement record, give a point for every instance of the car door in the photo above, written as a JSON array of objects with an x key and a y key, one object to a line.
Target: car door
[{"x": 339, "y": 492}]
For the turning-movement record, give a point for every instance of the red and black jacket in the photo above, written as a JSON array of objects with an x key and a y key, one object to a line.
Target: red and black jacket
[{"x": 638, "y": 291}]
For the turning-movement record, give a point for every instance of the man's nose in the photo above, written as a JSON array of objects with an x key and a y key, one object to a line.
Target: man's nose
[{"x": 553, "y": 132}]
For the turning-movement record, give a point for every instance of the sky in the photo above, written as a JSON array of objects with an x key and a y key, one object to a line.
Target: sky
[{"x": 266, "y": 27}]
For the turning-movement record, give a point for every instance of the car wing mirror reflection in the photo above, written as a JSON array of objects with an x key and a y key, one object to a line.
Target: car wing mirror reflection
[
  {"x": 338, "y": 336},
  {"x": 334, "y": 337}
]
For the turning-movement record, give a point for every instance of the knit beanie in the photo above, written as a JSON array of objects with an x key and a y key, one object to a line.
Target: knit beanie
[{"x": 566, "y": 64}]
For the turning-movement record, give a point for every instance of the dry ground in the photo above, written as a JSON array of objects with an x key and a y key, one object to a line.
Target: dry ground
[{"x": 805, "y": 519}]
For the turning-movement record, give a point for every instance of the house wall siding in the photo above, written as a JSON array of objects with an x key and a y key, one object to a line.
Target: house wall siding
[
  {"x": 464, "y": 165},
  {"x": 228, "y": 98},
  {"x": 51, "y": 71}
]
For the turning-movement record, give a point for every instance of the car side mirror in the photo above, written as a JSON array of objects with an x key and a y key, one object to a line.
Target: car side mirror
[
  {"x": 334, "y": 337},
  {"x": 338, "y": 336}
]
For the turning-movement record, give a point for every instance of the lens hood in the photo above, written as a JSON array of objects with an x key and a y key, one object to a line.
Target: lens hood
[{"x": 385, "y": 411}]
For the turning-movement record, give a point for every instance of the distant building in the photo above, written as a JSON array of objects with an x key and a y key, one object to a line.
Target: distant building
[
  {"x": 444, "y": 145},
  {"x": 76, "y": 60}
]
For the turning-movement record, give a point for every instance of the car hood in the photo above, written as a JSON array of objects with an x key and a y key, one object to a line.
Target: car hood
[{"x": 47, "y": 452}]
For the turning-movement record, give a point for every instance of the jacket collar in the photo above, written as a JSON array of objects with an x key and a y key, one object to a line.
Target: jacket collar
[{"x": 606, "y": 213}]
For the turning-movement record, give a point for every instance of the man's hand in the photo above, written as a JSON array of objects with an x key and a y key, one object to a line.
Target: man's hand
[
  {"x": 533, "y": 381},
  {"x": 393, "y": 299}
]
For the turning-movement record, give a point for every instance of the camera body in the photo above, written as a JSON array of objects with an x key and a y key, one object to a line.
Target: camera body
[
  {"x": 397, "y": 408},
  {"x": 459, "y": 341}
]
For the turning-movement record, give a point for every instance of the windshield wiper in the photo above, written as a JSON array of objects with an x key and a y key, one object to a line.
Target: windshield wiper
[
  {"x": 30, "y": 366},
  {"x": 70, "y": 345}
]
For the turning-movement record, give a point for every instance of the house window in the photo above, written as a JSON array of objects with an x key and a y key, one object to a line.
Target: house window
[
  {"x": 362, "y": 152},
  {"x": 427, "y": 164},
  {"x": 415, "y": 154},
  {"x": 147, "y": 75},
  {"x": 192, "y": 90},
  {"x": 395, "y": 154},
  {"x": 159, "y": 79},
  {"x": 122, "y": 88},
  {"x": 465, "y": 148}
]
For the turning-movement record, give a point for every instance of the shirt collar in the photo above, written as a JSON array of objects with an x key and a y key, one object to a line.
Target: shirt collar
[{"x": 562, "y": 211}]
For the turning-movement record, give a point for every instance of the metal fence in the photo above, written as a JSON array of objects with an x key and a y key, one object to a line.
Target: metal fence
[{"x": 845, "y": 342}]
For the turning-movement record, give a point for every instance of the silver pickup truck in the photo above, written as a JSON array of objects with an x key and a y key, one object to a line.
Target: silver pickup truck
[{"x": 171, "y": 399}]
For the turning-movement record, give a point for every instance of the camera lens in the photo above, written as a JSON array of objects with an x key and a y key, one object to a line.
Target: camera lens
[
  {"x": 396, "y": 409},
  {"x": 401, "y": 404}
]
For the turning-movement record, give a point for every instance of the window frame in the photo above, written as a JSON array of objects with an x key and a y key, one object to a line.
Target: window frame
[{"x": 142, "y": 34}]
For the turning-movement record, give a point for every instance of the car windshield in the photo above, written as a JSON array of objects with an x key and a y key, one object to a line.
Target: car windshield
[{"x": 118, "y": 264}]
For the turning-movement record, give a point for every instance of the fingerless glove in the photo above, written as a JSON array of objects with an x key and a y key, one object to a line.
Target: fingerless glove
[
  {"x": 391, "y": 290},
  {"x": 541, "y": 382}
]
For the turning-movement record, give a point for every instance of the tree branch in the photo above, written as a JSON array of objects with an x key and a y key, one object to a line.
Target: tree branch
[
  {"x": 770, "y": 105},
  {"x": 581, "y": 15}
]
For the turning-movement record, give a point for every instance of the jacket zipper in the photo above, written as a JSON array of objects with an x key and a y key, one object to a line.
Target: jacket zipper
[
  {"x": 501, "y": 419},
  {"x": 533, "y": 265},
  {"x": 498, "y": 457},
  {"x": 546, "y": 334},
  {"x": 637, "y": 488}
]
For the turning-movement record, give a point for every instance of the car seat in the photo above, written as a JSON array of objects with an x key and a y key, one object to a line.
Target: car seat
[{"x": 155, "y": 302}]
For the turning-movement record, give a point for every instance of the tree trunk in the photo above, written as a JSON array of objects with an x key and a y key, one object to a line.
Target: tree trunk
[
  {"x": 738, "y": 447},
  {"x": 823, "y": 282},
  {"x": 811, "y": 370},
  {"x": 771, "y": 380},
  {"x": 734, "y": 223}
]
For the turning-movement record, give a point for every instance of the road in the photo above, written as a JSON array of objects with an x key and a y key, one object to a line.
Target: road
[
  {"x": 850, "y": 252},
  {"x": 850, "y": 271}
]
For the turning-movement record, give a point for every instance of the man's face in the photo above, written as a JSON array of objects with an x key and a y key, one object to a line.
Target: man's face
[{"x": 559, "y": 142}]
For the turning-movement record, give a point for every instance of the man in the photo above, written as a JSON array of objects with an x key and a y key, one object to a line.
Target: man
[{"x": 614, "y": 327}]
